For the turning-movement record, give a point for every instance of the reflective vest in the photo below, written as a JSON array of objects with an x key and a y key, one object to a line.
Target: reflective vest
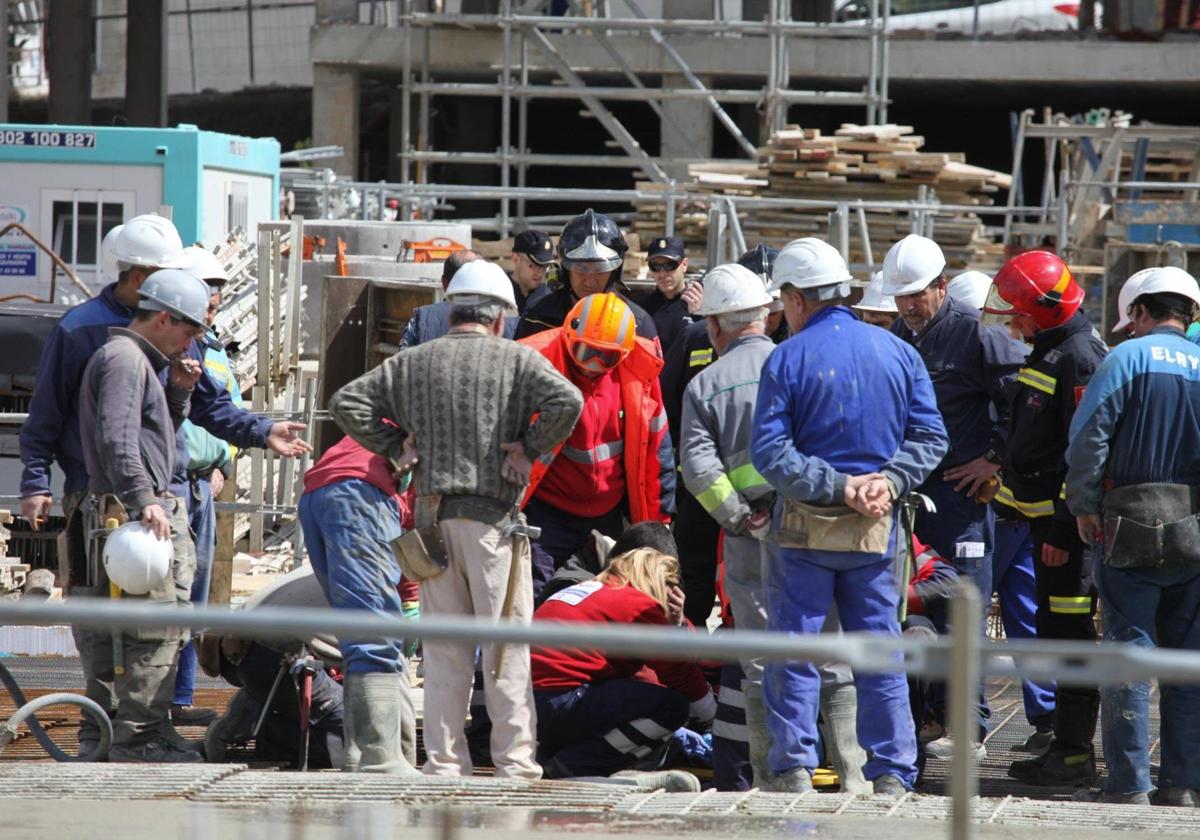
[{"x": 649, "y": 466}]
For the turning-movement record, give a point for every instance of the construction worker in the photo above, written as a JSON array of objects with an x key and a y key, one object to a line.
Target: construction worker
[
  {"x": 971, "y": 288},
  {"x": 591, "y": 254},
  {"x": 970, "y": 367},
  {"x": 468, "y": 399},
  {"x": 597, "y": 716},
  {"x": 1037, "y": 290},
  {"x": 351, "y": 512},
  {"x": 1131, "y": 484},
  {"x": 695, "y": 531},
  {"x": 128, "y": 422},
  {"x": 876, "y": 308},
  {"x": 845, "y": 422},
  {"x": 617, "y": 462},
  {"x": 52, "y": 432},
  {"x": 532, "y": 255},
  {"x": 433, "y": 319},
  {"x": 674, "y": 300},
  {"x": 210, "y": 461}
]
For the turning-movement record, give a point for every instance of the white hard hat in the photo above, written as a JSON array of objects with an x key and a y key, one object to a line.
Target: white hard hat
[
  {"x": 480, "y": 281},
  {"x": 911, "y": 265},
  {"x": 809, "y": 263},
  {"x": 135, "y": 559},
  {"x": 108, "y": 260},
  {"x": 971, "y": 288},
  {"x": 204, "y": 266},
  {"x": 874, "y": 300},
  {"x": 150, "y": 241},
  {"x": 1168, "y": 280},
  {"x": 1130, "y": 289},
  {"x": 177, "y": 292},
  {"x": 732, "y": 288}
]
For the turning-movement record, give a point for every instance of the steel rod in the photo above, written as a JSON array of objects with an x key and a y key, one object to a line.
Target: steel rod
[
  {"x": 713, "y": 27},
  {"x": 966, "y": 617},
  {"x": 633, "y": 94}
]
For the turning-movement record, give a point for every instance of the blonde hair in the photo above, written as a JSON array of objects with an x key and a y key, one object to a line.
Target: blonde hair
[{"x": 646, "y": 570}]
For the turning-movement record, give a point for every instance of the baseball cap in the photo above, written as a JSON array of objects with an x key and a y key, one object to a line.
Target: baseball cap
[
  {"x": 666, "y": 246},
  {"x": 536, "y": 245}
]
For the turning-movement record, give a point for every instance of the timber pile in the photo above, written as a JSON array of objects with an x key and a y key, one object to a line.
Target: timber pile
[{"x": 873, "y": 163}]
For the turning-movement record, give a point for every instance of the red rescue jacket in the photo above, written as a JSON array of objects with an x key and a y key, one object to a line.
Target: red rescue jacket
[{"x": 649, "y": 462}]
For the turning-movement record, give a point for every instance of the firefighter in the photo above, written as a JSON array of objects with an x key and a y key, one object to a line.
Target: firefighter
[
  {"x": 591, "y": 253},
  {"x": 1036, "y": 288},
  {"x": 617, "y": 462},
  {"x": 675, "y": 299}
]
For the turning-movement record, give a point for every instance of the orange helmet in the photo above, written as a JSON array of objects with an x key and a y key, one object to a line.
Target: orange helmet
[
  {"x": 600, "y": 331},
  {"x": 1037, "y": 284}
]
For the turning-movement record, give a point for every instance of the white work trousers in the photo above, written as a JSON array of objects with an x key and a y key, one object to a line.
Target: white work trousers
[{"x": 475, "y": 584}]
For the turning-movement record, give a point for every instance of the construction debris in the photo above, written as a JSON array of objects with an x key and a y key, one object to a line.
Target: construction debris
[{"x": 872, "y": 163}]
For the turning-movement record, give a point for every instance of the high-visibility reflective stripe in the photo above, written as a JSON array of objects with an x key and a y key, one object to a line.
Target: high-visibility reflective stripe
[
  {"x": 1031, "y": 509},
  {"x": 598, "y": 455},
  {"x": 732, "y": 697},
  {"x": 716, "y": 493},
  {"x": 1062, "y": 494},
  {"x": 731, "y": 731},
  {"x": 658, "y": 422},
  {"x": 700, "y": 357},
  {"x": 745, "y": 477},
  {"x": 1063, "y": 605},
  {"x": 621, "y": 742},
  {"x": 650, "y": 729},
  {"x": 1037, "y": 379}
]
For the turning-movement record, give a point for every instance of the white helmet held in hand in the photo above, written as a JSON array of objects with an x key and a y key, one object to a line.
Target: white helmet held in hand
[
  {"x": 205, "y": 267},
  {"x": 151, "y": 242},
  {"x": 1168, "y": 280},
  {"x": 874, "y": 300},
  {"x": 732, "y": 288},
  {"x": 135, "y": 559},
  {"x": 971, "y": 288},
  {"x": 809, "y": 263},
  {"x": 911, "y": 265},
  {"x": 479, "y": 282}
]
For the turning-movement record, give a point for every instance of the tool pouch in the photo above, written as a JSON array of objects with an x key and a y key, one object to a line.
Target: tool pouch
[
  {"x": 421, "y": 552},
  {"x": 832, "y": 528},
  {"x": 1150, "y": 526}
]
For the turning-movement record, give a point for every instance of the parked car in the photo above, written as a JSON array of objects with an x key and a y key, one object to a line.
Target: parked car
[{"x": 995, "y": 16}]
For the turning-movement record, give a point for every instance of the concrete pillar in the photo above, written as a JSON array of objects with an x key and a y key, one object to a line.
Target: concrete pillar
[
  {"x": 396, "y": 135},
  {"x": 337, "y": 11},
  {"x": 335, "y": 115},
  {"x": 146, "y": 63},
  {"x": 687, "y": 125},
  {"x": 4, "y": 81},
  {"x": 69, "y": 62}
]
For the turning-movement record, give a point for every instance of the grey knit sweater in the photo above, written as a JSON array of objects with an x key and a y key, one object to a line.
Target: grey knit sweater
[{"x": 462, "y": 395}]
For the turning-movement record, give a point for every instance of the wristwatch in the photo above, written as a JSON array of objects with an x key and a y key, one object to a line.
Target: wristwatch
[{"x": 993, "y": 456}]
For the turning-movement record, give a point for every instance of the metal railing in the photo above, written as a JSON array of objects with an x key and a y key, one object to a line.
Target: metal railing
[{"x": 962, "y": 660}]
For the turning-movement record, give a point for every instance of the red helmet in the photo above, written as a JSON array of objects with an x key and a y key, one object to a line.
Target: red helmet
[{"x": 1037, "y": 284}]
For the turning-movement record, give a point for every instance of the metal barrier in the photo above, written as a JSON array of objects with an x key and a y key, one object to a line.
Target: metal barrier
[{"x": 962, "y": 659}]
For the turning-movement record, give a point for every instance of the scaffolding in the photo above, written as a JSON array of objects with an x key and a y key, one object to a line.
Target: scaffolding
[{"x": 521, "y": 32}]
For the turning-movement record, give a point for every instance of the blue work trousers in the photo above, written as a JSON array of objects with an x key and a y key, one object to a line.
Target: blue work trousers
[
  {"x": 600, "y": 728},
  {"x": 564, "y": 534},
  {"x": 1013, "y": 579},
  {"x": 962, "y": 531},
  {"x": 802, "y": 586},
  {"x": 348, "y": 527},
  {"x": 1150, "y": 608},
  {"x": 202, "y": 519}
]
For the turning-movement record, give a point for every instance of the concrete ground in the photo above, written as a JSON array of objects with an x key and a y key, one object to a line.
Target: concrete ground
[{"x": 235, "y": 801}]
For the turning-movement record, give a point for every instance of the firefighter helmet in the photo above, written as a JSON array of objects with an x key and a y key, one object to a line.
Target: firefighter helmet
[
  {"x": 1037, "y": 284},
  {"x": 592, "y": 238}
]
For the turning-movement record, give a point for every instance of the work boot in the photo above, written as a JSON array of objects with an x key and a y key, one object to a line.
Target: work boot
[
  {"x": 191, "y": 715},
  {"x": 1095, "y": 795},
  {"x": 889, "y": 786},
  {"x": 1176, "y": 797},
  {"x": 668, "y": 781},
  {"x": 376, "y": 723},
  {"x": 236, "y": 726},
  {"x": 158, "y": 750},
  {"x": 1061, "y": 766},
  {"x": 759, "y": 738},
  {"x": 1037, "y": 743},
  {"x": 943, "y": 749},
  {"x": 840, "y": 710},
  {"x": 796, "y": 780}
]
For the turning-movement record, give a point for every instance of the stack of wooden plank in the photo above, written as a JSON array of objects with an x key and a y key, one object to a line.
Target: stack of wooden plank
[{"x": 874, "y": 163}]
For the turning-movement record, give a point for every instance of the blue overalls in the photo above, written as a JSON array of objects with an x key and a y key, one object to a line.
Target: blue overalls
[{"x": 840, "y": 398}]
